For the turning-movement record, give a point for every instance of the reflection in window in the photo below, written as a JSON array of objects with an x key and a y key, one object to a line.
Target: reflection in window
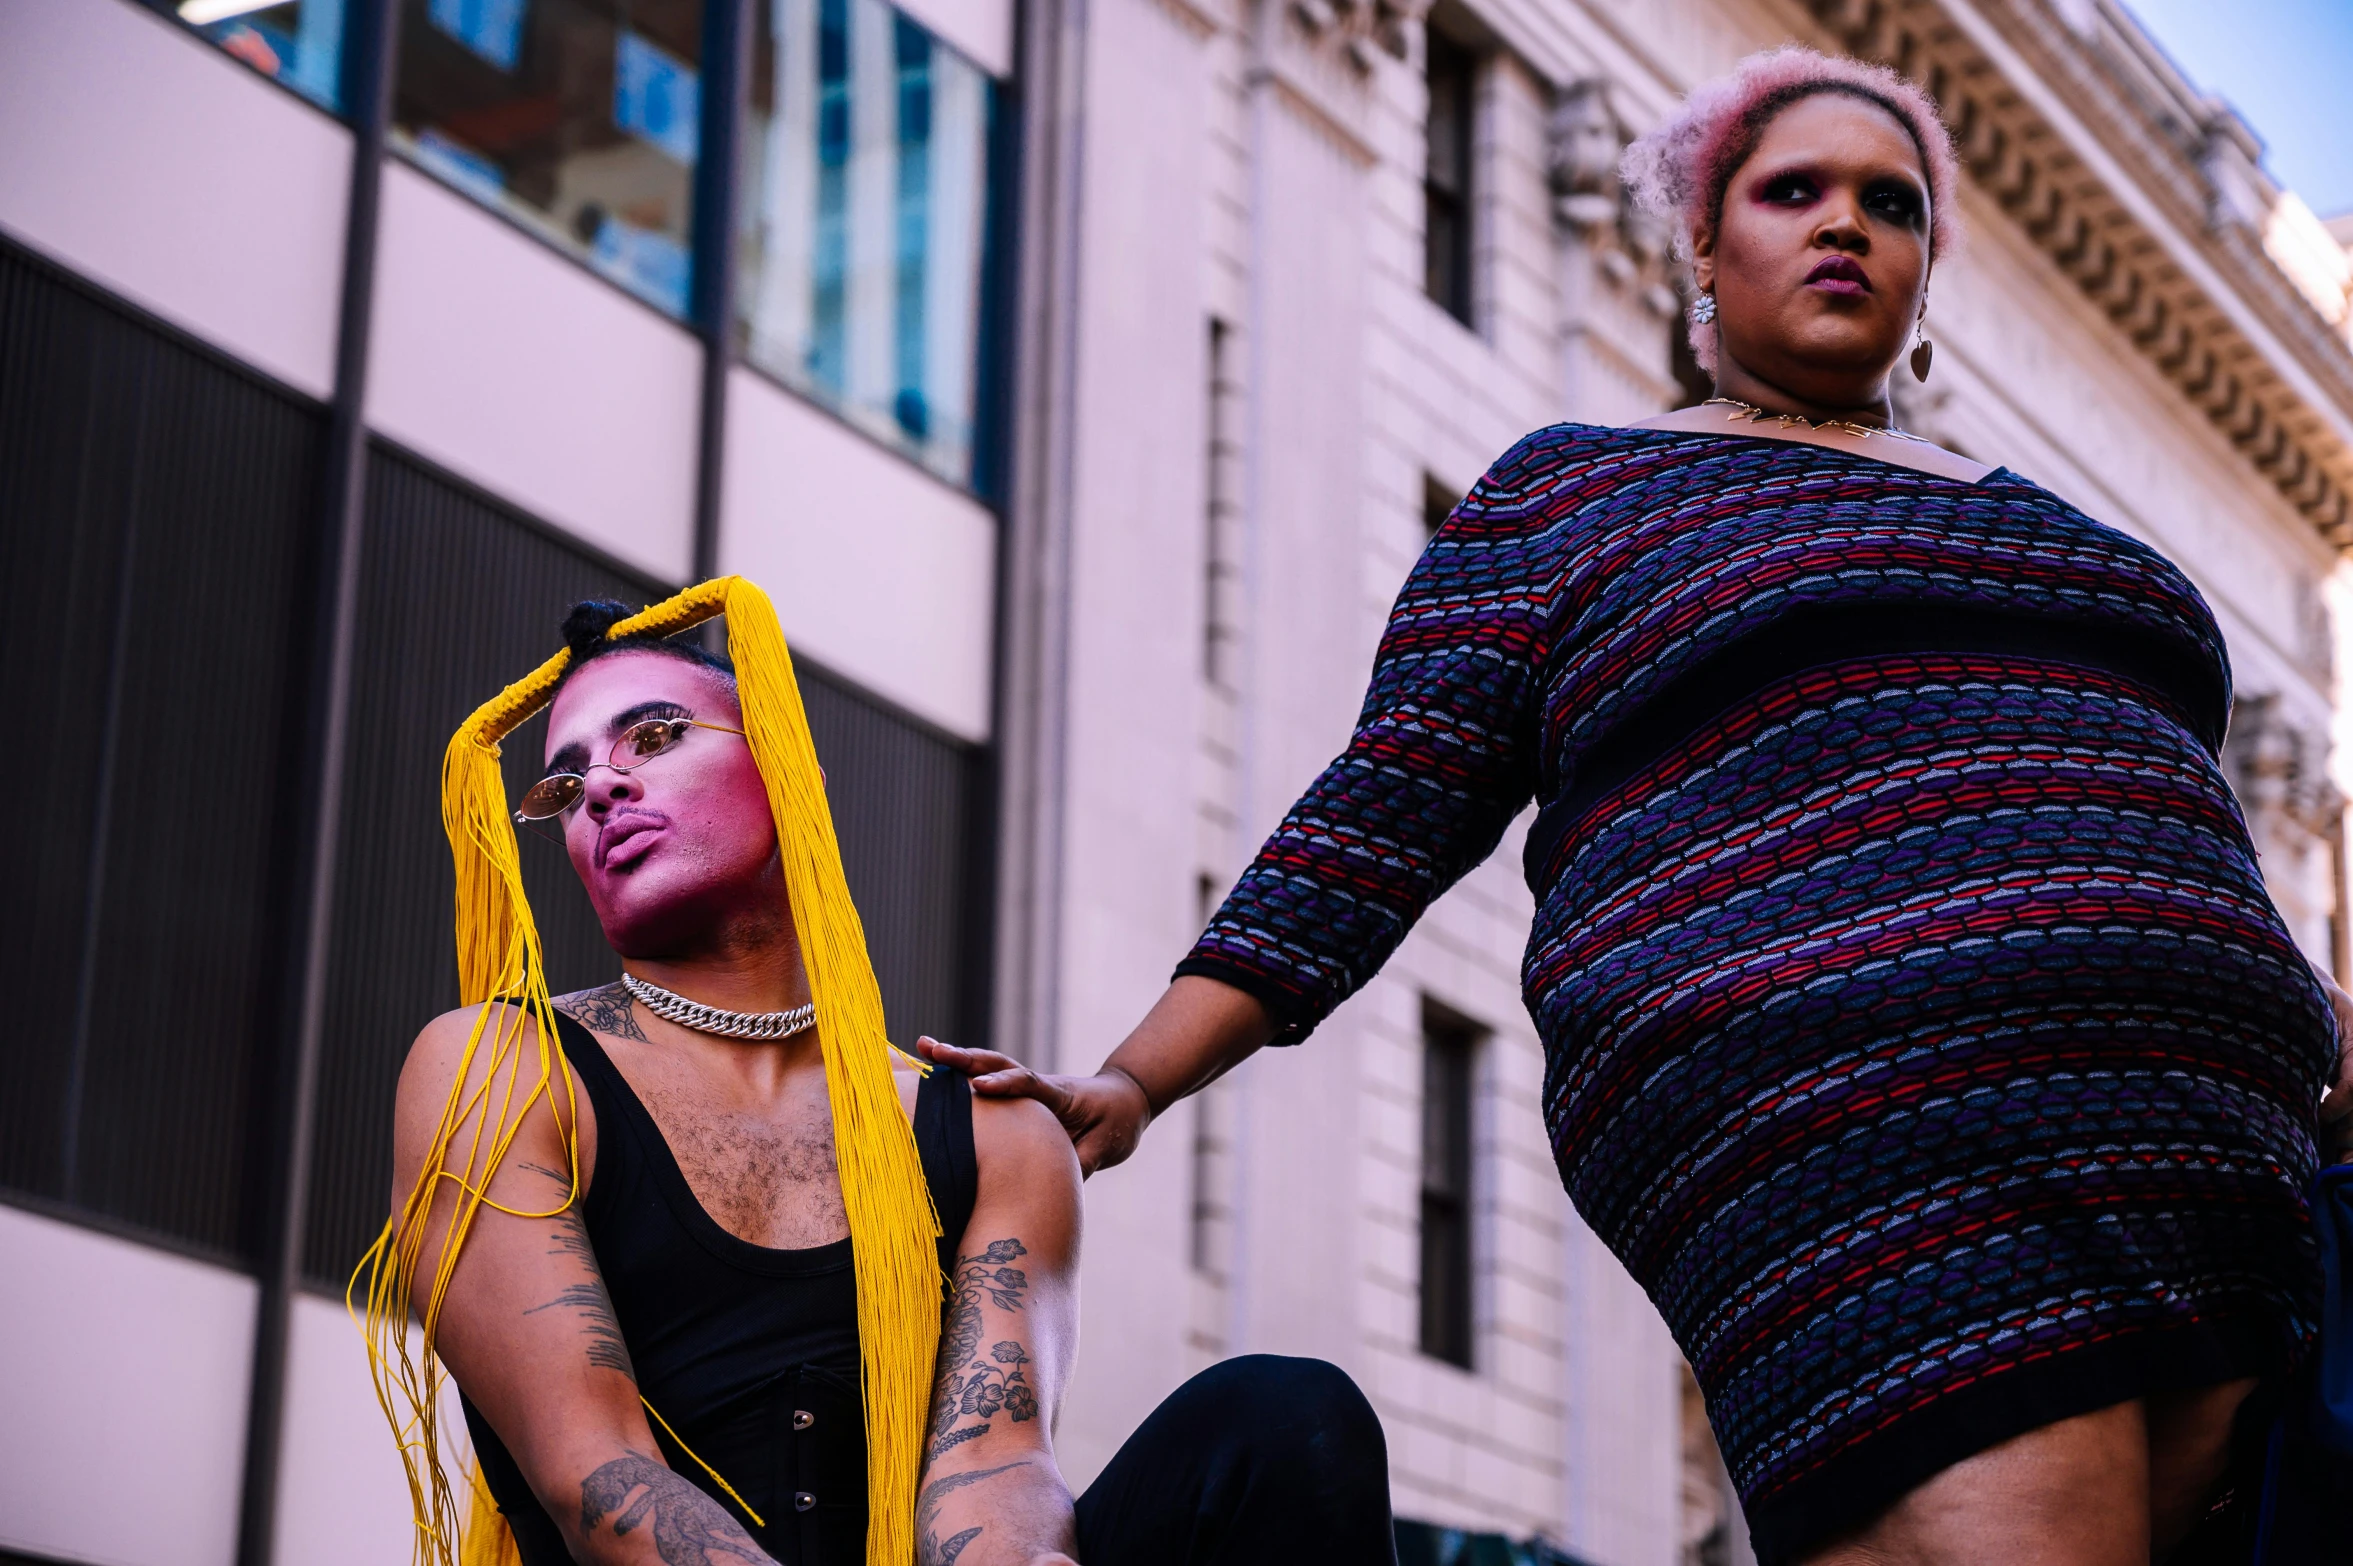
[
  {"x": 866, "y": 190},
  {"x": 300, "y": 42},
  {"x": 580, "y": 119}
]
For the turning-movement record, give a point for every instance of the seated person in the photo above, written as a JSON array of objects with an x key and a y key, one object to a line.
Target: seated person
[{"x": 706, "y": 1260}]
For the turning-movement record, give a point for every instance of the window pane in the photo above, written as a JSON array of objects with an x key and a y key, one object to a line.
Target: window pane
[
  {"x": 580, "y": 119},
  {"x": 865, "y": 199},
  {"x": 1446, "y": 180},
  {"x": 1449, "y": 1053},
  {"x": 300, "y": 42}
]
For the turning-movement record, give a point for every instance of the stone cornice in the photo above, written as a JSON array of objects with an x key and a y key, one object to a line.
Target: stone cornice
[{"x": 2141, "y": 193}]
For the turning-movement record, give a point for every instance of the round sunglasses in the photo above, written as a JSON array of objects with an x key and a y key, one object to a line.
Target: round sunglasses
[{"x": 639, "y": 743}]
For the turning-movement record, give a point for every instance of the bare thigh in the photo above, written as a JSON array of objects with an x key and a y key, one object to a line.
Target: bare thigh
[
  {"x": 2118, "y": 1487},
  {"x": 2189, "y": 1453}
]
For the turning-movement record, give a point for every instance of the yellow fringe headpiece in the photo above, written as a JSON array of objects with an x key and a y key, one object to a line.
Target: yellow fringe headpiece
[{"x": 893, "y": 1225}]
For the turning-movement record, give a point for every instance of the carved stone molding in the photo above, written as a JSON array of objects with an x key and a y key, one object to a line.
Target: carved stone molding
[
  {"x": 1584, "y": 140},
  {"x": 2277, "y": 769},
  {"x": 1359, "y": 30},
  {"x": 2149, "y": 198}
]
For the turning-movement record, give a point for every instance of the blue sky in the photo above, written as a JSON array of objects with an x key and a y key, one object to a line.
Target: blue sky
[{"x": 2287, "y": 67}]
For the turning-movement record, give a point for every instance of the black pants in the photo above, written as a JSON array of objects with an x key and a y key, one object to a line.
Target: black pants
[{"x": 1255, "y": 1461}]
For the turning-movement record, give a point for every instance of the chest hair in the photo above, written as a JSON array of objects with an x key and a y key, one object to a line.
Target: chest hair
[{"x": 766, "y": 1176}]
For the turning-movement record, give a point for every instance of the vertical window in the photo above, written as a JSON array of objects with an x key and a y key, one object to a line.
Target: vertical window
[
  {"x": 1221, "y": 568},
  {"x": 298, "y": 42},
  {"x": 864, "y": 219},
  {"x": 1446, "y": 178},
  {"x": 1450, "y": 1047},
  {"x": 579, "y": 119}
]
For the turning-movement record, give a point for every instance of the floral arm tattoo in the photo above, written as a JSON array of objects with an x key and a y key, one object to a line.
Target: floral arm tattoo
[{"x": 974, "y": 1385}]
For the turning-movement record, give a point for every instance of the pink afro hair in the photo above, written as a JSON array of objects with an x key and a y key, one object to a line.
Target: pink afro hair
[{"x": 1680, "y": 170}]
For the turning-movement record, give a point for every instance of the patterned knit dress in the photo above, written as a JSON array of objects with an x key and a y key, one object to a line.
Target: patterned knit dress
[{"x": 1919, "y": 1032}]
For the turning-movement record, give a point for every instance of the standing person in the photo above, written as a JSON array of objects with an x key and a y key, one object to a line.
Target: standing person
[
  {"x": 1919, "y": 1031},
  {"x": 675, "y": 1239}
]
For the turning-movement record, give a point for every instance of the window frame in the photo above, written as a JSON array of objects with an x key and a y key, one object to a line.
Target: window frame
[
  {"x": 1463, "y": 60},
  {"x": 1446, "y": 1283}
]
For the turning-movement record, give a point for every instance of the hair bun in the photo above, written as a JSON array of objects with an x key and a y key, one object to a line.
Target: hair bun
[{"x": 586, "y": 625}]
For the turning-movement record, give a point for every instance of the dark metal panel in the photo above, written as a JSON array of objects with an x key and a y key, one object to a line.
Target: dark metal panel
[
  {"x": 903, "y": 800},
  {"x": 458, "y": 596},
  {"x": 153, "y": 502}
]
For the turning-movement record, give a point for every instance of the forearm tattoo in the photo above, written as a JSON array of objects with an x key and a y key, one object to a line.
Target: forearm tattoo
[
  {"x": 690, "y": 1529},
  {"x": 609, "y": 1008},
  {"x": 606, "y": 1348},
  {"x": 930, "y": 1548},
  {"x": 973, "y": 1385}
]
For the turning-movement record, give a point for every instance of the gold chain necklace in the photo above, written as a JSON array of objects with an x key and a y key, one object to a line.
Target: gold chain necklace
[{"x": 1755, "y": 414}]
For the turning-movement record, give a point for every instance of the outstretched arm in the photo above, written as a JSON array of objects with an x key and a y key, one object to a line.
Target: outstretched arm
[
  {"x": 991, "y": 1494},
  {"x": 1199, "y": 1030},
  {"x": 529, "y": 1331},
  {"x": 1443, "y": 756}
]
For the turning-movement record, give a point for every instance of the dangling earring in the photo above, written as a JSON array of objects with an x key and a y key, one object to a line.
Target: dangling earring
[
  {"x": 1923, "y": 352},
  {"x": 1703, "y": 309}
]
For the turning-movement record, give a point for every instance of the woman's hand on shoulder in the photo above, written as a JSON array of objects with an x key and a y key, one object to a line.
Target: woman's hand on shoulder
[{"x": 1101, "y": 1116}]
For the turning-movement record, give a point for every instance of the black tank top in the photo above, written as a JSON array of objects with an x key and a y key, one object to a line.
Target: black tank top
[{"x": 750, "y": 1353}]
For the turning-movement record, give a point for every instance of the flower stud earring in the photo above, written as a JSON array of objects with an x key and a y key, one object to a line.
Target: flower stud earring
[
  {"x": 1923, "y": 352},
  {"x": 1703, "y": 309}
]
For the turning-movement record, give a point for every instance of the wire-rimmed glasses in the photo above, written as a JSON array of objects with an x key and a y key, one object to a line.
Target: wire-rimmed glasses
[{"x": 639, "y": 743}]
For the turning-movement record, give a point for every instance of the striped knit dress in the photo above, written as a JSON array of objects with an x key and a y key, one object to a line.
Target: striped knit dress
[{"x": 1919, "y": 1031}]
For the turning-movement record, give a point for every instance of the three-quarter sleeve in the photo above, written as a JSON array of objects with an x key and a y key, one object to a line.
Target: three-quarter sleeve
[{"x": 1444, "y": 755}]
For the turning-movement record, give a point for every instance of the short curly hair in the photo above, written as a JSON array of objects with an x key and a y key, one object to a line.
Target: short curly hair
[{"x": 1681, "y": 170}]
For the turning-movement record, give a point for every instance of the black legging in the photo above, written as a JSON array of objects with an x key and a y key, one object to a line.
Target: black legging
[{"x": 1255, "y": 1461}]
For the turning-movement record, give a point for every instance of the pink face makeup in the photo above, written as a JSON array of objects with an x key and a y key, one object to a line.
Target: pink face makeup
[{"x": 681, "y": 847}]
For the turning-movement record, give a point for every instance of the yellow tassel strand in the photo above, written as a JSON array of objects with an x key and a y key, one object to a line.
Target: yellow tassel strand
[
  {"x": 893, "y": 1225},
  {"x": 489, "y": 1541}
]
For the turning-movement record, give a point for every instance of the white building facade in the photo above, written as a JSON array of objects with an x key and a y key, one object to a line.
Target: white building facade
[{"x": 1083, "y": 423}]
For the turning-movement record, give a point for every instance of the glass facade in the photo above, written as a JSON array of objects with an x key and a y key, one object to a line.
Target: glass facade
[
  {"x": 863, "y": 220},
  {"x": 298, "y": 42},
  {"x": 580, "y": 119}
]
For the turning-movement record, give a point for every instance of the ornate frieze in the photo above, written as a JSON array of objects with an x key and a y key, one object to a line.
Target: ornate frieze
[
  {"x": 1358, "y": 30},
  {"x": 2149, "y": 198}
]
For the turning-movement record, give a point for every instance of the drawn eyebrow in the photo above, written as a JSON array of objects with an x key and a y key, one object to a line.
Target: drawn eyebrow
[
  {"x": 573, "y": 758},
  {"x": 628, "y": 716}
]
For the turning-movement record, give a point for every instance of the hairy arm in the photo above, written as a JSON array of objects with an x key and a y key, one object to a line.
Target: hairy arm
[
  {"x": 528, "y": 1328},
  {"x": 991, "y": 1493}
]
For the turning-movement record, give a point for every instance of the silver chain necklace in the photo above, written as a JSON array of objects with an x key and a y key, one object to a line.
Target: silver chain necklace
[{"x": 686, "y": 1013}]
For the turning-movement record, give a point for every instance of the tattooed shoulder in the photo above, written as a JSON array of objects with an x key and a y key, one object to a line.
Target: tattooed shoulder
[{"x": 609, "y": 1008}]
